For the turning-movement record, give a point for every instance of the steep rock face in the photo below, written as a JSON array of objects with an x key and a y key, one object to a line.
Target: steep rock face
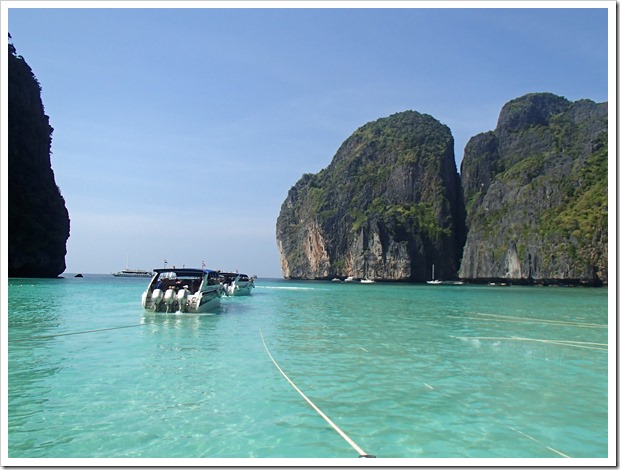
[
  {"x": 388, "y": 207},
  {"x": 535, "y": 191},
  {"x": 38, "y": 221}
]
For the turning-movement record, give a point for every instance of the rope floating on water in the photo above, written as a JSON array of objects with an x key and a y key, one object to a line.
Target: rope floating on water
[
  {"x": 357, "y": 448},
  {"x": 513, "y": 319},
  {"x": 494, "y": 419},
  {"x": 33, "y": 338},
  {"x": 559, "y": 342},
  {"x": 542, "y": 444},
  {"x": 544, "y": 320}
]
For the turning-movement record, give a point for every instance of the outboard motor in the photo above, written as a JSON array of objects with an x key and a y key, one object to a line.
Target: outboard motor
[
  {"x": 169, "y": 298},
  {"x": 156, "y": 298},
  {"x": 183, "y": 298}
]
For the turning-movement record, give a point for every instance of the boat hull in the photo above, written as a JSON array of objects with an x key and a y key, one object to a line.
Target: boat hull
[
  {"x": 237, "y": 284},
  {"x": 183, "y": 290},
  {"x": 133, "y": 273},
  {"x": 200, "y": 302},
  {"x": 240, "y": 289},
  {"x": 207, "y": 302}
]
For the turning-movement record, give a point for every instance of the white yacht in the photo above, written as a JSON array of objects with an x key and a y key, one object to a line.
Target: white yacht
[
  {"x": 433, "y": 280},
  {"x": 133, "y": 273}
]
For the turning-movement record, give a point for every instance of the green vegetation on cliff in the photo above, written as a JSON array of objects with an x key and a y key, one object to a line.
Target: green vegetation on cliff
[
  {"x": 357, "y": 183},
  {"x": 580, "y": 218},
  {"x": 390, "y": 205},
  {"x": 540, "y": 214},
  {"x": 392, "y": 182}
]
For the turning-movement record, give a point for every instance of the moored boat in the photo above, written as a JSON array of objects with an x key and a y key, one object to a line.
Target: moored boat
[
  {"x": 133, "y": 273},
  {"x": 185, "y": 290},
  {"x": 433, "y": 280},
  {"x": 237, "y": 284}
]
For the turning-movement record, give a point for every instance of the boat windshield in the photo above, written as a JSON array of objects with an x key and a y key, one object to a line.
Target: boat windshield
[
  {"x": 173, "y": 280},
  {"x": 213, "y": 278},
  {"x": 168, "y": 275}
]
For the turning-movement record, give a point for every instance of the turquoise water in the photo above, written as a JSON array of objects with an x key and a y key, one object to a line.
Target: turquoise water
[{"x": 406, "y": 371}]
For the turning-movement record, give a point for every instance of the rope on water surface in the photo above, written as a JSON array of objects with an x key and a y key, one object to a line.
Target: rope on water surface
[
  {"x": 32, "y": 338},
  {"x": 542, "y": 444},
  {"x": 513, "y": 319},
  {"x": 559, "y": 342},
  {"x": 357, "y": 448},
  {"x": 430, "y": 387}
]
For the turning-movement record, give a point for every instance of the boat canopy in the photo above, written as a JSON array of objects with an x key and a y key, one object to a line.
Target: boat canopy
[{"x": 181, "y": 272}]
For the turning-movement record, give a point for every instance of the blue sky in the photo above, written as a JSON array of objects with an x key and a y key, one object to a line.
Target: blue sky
[{"x": 178, "y": 132}]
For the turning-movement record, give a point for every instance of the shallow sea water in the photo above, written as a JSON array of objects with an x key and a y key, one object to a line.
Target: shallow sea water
[{"x": 406, "y": 371}]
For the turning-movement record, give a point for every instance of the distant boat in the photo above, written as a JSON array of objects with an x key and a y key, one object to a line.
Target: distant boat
[
  {"x": 237, "y": 284},
  {"x": 433, "y": 280},
  {"x": 367, "y": 281},
  {"x": 183, "y": 290},
  {"x": 133, "y": 273},
  {"x": 349, "y": 279}
]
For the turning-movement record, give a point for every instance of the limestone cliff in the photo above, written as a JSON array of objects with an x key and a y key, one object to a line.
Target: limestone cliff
[
  {"x": 388, "y": 207},
  {"x": 536, "y": 194},
  {"x": 38, "y": 221}
]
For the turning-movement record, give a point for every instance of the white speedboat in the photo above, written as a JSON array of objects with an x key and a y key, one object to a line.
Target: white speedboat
[
  {"x": 237, "y": 284},
  {"x": 183, "y": 290},
  {"x": 349, "y": 279},
  {"x": 367, "y": 281}
]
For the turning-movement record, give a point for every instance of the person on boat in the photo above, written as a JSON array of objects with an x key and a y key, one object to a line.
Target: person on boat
[{"x": 161, "y": 284}]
